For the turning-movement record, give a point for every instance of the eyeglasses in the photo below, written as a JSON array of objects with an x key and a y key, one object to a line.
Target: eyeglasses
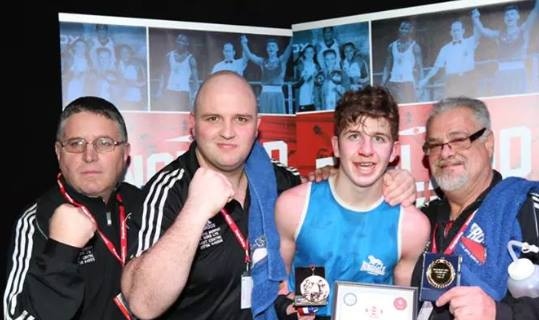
[
  {"x": 101, "y": 145},
  {"x": 460, "y": 143}
]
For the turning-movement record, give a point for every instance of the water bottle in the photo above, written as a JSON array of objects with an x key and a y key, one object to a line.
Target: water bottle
[{"x": 523, "y": 278}]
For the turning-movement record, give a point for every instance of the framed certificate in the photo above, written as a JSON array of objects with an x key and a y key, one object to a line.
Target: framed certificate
[{"x": 373, "y": 301}]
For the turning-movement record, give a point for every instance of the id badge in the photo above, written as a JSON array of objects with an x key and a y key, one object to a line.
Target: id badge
[{"x": 246, "y": 291}]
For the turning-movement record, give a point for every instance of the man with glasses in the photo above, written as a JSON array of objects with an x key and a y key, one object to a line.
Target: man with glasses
[
  {"x": 69, "y": 247},
  {"x": 477, "y": 214}
]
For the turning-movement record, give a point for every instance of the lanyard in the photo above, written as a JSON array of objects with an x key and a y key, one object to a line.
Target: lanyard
[
  {"x": 239, "y": 236},
  {"x": 118, "y": 300},
  {"x": 123, "y": 227},
  {"x": 449, "y": 250}
]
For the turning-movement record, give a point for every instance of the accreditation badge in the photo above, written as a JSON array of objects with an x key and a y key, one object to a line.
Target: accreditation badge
[
  {"x": 439, "y": 273},
  {"x": 312, "y": 288}
]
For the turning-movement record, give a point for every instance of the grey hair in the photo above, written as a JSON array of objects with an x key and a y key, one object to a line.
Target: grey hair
[
  {"x": 476, "y": 106},
  {"x": 94, "y": 105}
]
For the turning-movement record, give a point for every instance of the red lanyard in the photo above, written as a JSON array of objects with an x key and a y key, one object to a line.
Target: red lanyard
[
  {"x": 449, "y": 250},
  {"x": 118, "y": 300},
  {"x": 241, "y": 239},
  {"x": 123, "y": 227}
]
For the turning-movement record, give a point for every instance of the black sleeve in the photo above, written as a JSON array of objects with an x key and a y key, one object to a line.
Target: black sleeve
[
  {"x": 43, "y": 278},
  {"x": 286, "y": 177},
  {"x": 132, "y": 198},
  {"x": 524, "y": 308},
  {"x": 528, "y": 219},
  {"x": 163, "y": 198}
]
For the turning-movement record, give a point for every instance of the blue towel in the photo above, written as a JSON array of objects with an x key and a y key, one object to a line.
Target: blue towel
[
  {"x": 270, "y": 271},
  {"x": 497, "y": 217}
]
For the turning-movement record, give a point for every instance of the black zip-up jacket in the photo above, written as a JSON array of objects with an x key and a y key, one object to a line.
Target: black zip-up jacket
[
  {"x": 213, "y": 289},
  {"x": 50, "y": 280},
  {"x": 524, "y": 308}
]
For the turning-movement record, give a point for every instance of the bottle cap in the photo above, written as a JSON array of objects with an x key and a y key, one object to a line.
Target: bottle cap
[{"x": 520, "y": 269}]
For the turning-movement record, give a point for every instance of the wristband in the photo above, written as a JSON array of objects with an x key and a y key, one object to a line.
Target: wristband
[{"x": 302, "y": 311}]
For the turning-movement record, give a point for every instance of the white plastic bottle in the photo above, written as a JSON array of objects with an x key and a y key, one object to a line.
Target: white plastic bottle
[{"x": 523, "y": 278}]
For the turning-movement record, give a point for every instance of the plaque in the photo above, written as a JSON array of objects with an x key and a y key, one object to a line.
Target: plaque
[
  {"x": 357, "y": 301},
  {"x": 439, "y": 273}
]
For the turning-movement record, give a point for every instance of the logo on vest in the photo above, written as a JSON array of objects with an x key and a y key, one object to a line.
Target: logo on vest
[{"x": 374, "y": 266}]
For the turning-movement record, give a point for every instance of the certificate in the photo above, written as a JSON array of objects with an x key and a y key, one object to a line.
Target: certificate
[{"x": 373, "y": 301}]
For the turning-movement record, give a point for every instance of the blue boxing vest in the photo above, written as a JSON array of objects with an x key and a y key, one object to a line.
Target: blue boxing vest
[{"x": 352, "y": 245}]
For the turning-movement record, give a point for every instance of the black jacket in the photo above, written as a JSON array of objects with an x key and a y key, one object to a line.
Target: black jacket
[
  {"x": 213, "y": 288},
  {"x": 50, "y": 280},
  {"x": 509, "y": 308}
]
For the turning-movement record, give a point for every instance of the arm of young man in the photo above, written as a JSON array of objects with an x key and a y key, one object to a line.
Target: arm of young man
[
  {"x": 194, "y": 77},
  {"x": 415, "y": 230},
  {"x": 484, "y": 31},
  {"x": 288, "y": 210},
  {"x": 438, "y": 64},
  {"x": 528, "y": 25},
  {"x": 153, "y": 281},
  {"x": 418, "y": 56},
  {"x": 388, "y": 64},
  {"x": 248, "y": 53}
]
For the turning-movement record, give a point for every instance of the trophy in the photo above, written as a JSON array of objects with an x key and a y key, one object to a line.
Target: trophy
[{"x": 312, "y": 289}]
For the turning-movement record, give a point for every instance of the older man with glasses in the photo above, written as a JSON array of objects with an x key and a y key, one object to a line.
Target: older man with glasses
[
  {"x": 474, "y": 219},
  {"x": 70, "y": 246}
]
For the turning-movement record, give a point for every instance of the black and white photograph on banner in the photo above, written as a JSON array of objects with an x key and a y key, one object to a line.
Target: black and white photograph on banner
[
  {"x": 398, "y": 57},
  {"x": 509, "y": 46},
  {"x": 103, "y": 60},
  {"x": 177, "y": 57},
  {"x": 225, "y": 53},
  {"x": 479, "y": 52},
  {"x": 181, "y": 59},
  {"x": 328, "y": 61},
  {"x": 272, "y": 79}
]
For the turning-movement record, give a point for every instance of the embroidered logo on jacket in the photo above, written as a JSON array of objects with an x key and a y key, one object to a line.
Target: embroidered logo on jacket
[
  {"x": 211, "y": 236},
  {"x": 474, "y": 244},
  {"x": 86, "y": 255},
  {"x": 374, "y": 266}
]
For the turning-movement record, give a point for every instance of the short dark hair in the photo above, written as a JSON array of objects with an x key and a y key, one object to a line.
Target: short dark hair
[
  {"x": 511, "y": 7},
  {"x": 371, "y": 102},
  {"x": 94, "y": 105}
]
